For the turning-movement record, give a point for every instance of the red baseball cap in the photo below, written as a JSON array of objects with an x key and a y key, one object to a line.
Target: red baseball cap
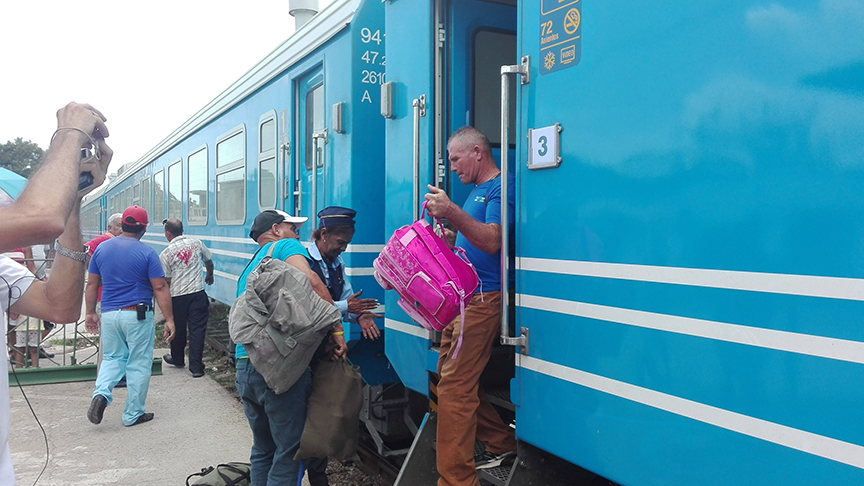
[{"x": 135, "y": 216}]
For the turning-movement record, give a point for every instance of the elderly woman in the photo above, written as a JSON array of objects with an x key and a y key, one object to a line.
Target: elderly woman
[{"x": 331, "y": 238}]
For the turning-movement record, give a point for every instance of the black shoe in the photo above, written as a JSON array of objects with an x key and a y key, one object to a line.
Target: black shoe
[
  {"x": 145, "y": 417},
  {"x": 168, "y": 359},
  {"x": 488, "y": 460},
  {"x": 121, "y": 383},
  {"x": 97, "y": 408},
  {"x": 45, "y": 354},
  {"x": 197, "y": 374}
]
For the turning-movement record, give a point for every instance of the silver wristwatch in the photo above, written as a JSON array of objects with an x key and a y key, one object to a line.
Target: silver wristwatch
[{"x": 80, "y": 256}]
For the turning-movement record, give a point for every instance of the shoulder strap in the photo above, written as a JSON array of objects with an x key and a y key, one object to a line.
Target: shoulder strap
[
  {"x": 242, "y": 475},
  {"x": 428, "y": 239},
  {"x": 204, "y": 472},
  {"x": 269, "y": 253}
]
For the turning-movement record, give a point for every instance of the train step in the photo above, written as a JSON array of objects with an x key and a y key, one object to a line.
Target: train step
[{"x": 530, "y": 467}]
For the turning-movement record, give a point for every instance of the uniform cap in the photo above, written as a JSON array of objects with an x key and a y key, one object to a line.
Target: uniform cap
[{"x": 336, "y": 216}]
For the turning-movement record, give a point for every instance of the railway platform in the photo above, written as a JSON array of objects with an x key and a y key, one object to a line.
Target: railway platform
[{"x": 197, "y": 424}]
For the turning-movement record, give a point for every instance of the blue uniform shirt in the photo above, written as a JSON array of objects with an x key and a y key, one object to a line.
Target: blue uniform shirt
[
  {"x": 340, "y": 301},
  {"x": 484, "y": 205},
  {"x": 125, "y": 266},
  {"x": 285, "y": 248}
]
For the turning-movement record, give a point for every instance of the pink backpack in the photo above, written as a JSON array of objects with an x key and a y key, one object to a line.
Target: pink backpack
[{"x": 434, "y": 283}]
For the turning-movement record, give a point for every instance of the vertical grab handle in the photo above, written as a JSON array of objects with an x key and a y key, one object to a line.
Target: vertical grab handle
[
  {"x": 316, "y": 160},
  {"x": 419, "y": 105},
  {"x": 522, "y": 340}
]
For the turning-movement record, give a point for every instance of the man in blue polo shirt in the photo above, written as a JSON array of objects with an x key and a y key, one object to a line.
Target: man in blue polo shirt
[
  {"x": 464, "y": 414},
  {"x": 277, "y": 420},
  {"x": 131, "y": 275}
]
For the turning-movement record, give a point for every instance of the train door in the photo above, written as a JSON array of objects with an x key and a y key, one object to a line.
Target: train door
[
  {"x": 442, "y": 63},
  {"x": 311, "y": 153},
  {"x": 411, "y": 50}
]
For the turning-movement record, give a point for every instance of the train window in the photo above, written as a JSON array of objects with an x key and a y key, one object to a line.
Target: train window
[
  {"x": 230, "y": 150},
  {"x": 314, "y": 120},
  {"x": 267, "y": 161},
  {"x": 267, "y": 134},
  {"x": 492, "y": 50},
  {"x": 175, "y": 191},
  {"x": 231, "y": 177},
  {"x": 158, "y": 197},
  {"x": 145, "y": 195},
  {"x": 127, "y": 197},
  {"x": 136, "y": 195},
  {"x": 196, "y": 199}
]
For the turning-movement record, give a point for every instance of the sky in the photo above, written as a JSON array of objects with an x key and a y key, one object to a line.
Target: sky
[{"x": 147, "y": 66}]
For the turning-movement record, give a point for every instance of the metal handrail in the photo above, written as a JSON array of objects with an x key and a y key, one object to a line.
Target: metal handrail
[
  {"x": 419, "y": 105},
  {"x": 522, "y": 340},
  {"x": 315, "y": 160}
]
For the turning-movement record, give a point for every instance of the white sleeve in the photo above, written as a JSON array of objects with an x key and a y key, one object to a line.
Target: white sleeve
[
  {"x": 206, "y": 255},
  {"x": 15, "y": 279}
]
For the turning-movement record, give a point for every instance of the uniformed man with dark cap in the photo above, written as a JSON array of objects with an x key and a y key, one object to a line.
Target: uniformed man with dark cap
[{"x": 331, "y": 238}]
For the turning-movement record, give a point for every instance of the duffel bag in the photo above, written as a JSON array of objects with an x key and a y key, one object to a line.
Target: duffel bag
[{"x": 229, "y": 474}]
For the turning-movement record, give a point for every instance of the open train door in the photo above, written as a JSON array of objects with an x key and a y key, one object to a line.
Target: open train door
[
  {"x": 407, "y": 100},
  {"x": 442, "y": 60}
]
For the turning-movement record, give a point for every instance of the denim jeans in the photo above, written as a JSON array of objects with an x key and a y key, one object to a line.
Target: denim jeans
[
  {"x": 127, "y": 348},
  {"x": 277, "y": 424}
]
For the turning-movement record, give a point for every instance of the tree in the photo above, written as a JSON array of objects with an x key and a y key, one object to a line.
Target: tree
[{"x": 20, "y": 156}]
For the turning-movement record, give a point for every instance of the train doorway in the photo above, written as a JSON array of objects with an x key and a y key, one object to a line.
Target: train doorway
[{"x": 481, "y": 37}]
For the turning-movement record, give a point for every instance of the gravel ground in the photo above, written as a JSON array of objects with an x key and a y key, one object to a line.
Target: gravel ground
[{"x": 340, "y": 474}]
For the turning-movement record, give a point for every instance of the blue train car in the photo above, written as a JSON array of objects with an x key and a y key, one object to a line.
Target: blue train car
[
  {"x": 300, "y": 131},
  {"x": 689, "y": 258}
]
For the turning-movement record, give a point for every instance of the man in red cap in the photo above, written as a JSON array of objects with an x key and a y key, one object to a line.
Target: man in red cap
[{"x": 131, "y": 275}]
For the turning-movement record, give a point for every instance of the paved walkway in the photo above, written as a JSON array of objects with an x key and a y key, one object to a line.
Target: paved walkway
[{"x": 197, "y": 423}]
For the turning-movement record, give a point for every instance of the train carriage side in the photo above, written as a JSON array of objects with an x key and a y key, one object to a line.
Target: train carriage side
[
  {"x": 688, "y": 254},
  {"x": 690, "y": 274},
  {"x": 240, "y": 154},
  {"x": 93, "y": 217}
]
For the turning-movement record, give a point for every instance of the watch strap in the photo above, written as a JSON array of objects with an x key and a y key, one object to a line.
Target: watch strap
[{"x": 80, "y": 256}]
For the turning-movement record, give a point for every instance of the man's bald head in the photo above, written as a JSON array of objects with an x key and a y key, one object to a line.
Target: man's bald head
[{"x": 173, "y": 226}]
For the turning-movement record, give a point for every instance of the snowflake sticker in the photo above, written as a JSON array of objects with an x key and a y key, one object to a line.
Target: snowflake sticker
[{"x": 550, "y": 60}]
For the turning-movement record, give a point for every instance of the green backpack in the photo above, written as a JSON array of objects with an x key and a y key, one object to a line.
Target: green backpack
[{"x": 230, "y": 474}]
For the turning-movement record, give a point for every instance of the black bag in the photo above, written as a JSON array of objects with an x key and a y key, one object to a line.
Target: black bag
[
  {"x": 230, "y": 474},
  {"x": 333, "y": 412}
]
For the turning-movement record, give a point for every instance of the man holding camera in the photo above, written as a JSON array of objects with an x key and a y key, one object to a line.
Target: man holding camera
[{"x": 131, "y": 275}]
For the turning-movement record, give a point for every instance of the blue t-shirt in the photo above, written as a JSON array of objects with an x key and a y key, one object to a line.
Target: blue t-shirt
[
  {"x": 484, "y": 205},
  {"x": 125, "y": 266},
  {"x": 285, "y": 248}
]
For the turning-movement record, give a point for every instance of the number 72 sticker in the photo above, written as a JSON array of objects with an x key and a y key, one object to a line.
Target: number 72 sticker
[{"x": 544, "y": 147}]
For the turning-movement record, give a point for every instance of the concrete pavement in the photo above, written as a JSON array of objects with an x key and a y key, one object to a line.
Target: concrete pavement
[{"x": 197, "y": 423}]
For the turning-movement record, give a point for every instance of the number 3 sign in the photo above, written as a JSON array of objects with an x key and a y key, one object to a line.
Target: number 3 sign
[{"x": 544, "y": 148}]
